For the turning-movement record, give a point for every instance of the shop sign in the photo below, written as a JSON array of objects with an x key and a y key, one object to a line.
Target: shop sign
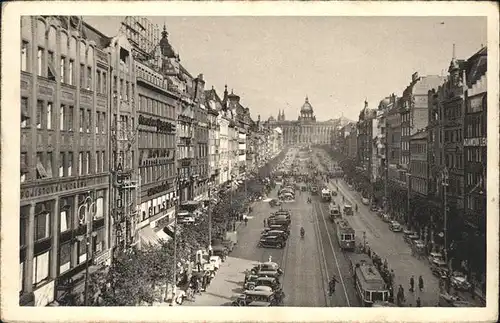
[
  {"x": 475, "y": 142},
  {"x": 40, "y": 190},
  {"x": 102, "y": 257},
  {"x": 157, "y": 124},
  {"x": 159, "y": 189}
]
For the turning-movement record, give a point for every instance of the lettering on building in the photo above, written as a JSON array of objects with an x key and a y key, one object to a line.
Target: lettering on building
[
  {"x": 159, "y": 189},
  {"x": 156, "y": 156},
  {"x": 157, "y": 124},
  {"x": 36, "y": 191},
  {"x": 475, "y": 142}
]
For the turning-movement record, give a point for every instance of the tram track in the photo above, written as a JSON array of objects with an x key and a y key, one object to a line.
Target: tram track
[{"x": 337, "y": 267}]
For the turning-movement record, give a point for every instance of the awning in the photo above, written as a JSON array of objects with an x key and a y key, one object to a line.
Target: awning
[
  {"x": 148, "y": 236},
  {"x": 163, "y": 236}
]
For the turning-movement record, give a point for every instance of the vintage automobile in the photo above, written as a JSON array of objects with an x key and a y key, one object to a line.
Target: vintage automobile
[
  {"x": 412, "y": 236},
  {"x": 271, "y": 242},
  {"x": 373, "y": 207},
  {"x": 314, "y": 190},
  {"x": 275, "y": 202},
  {"x": 334, "y": 211},
  {"x": 267, "y": 266},
  {"x": 280, "y": 233},
  {"x": 459, "y": 281},
  {"x": 250, "y": 281},
  {"x": 271, "y": 282},
  {"x": 439, "y": 268},
  {"x": 435, "y": 256},
  {"x": 447, "y": 300},
  {"x": 281, "y": 220},
  {"x": 259, "y": 298},
  {"x": 348, "y": 209},
  {"x": 394, "y": 226},
  {"x": 365, "y": 201},
  {"x": 386, "y": 218}
]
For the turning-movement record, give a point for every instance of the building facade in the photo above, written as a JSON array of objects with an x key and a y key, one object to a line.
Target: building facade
[
  {"x": 305, "y": 130},
  {"x": 365, "y": 130},
  {"x": 201, "y": 139},
  {"x": 64, "y": 149},
  {"x": 212, "y": 103}
]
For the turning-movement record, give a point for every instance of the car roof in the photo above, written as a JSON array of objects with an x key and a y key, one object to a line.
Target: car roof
[
  {"x": 258, "y": 292},
  {"x": 266, "y": 278}
]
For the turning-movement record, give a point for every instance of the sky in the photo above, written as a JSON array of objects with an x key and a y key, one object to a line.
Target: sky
[{"x": 273, "y": 63}]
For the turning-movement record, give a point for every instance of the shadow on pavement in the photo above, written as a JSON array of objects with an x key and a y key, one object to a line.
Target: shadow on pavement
[
  {"x": 238, "y": 290},
  {"x": 234, "y": 282}
]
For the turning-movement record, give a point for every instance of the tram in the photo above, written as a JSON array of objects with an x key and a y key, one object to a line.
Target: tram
[
  {"x": 345, "y": 235},
  {"x": 370, "y": 286}
]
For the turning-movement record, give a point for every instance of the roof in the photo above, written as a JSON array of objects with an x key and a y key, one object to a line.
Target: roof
[
  {"x": 419, "y": 135},
  {"x": 306, "y": 107},
  {"x": 370, "y": 278},
  {"x": 476, "y": 66}
]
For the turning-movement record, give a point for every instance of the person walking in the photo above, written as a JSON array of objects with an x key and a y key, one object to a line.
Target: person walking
[
  {"x": 419, "y": 302},
  {"x": 264, "y": 223},
  {"x": 420, "y": 283},
  {"x": 331, "y": 286},
  {"x": 245, "y": 219},
  {"x": 412, "y": 284}
]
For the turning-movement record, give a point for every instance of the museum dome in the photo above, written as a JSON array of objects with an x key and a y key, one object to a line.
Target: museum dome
[{"x": 306, "y": 107}]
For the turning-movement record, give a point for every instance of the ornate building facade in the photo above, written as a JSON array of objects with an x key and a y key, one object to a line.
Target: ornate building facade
[{"x": 305, "y": 130}]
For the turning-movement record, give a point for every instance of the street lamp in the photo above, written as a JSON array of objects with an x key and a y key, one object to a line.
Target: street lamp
[
  {"x": 88, "y": 236},
  {"x": 176, "y": 210}
]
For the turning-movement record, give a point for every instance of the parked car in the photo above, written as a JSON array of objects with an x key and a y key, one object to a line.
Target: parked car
[
  {"x": 386, "y": 218},
  {"x": 373, "y": 207},
  {"x": 267, "y": 266},
  {"x": 435, "y": 256},
  {"x": 279, "y": 233},
  {"x": 394, "y": 226},
  {"x": 365, "y": 201},
  {"x": 439, "y": 268},
  {"x": 459, "y": 281},
  {"x": 185, "y": 217},
  {"x": 271, "y": 242}
]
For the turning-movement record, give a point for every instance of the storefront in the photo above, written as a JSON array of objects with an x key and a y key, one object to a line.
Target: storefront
[
  {"x": 54, "y": 233},
  {"x": 155, "y": 215}
]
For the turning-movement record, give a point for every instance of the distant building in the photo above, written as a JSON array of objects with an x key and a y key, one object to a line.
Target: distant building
[{"x": 305, "y": 130}]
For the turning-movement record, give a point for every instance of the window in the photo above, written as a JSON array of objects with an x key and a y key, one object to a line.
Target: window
[
  {"x": 80, "y": 163},
  {"x": 82, "y": 75},
  {"x": 41, "y": 267},
  {"x": 82, "y": 251},
  {"x": 115, "y": 84},
  {"x": 126, "y": 91},
  {"x": 104, "y": 83},
  {"x": 61, "y": 164},
  {"x": 71, "y": 76},
  {"x": 70, "y": 118},
  {"x": 99, "y": 213},
  {"x": 62, "y": 68},
  {"x": 89, "y": 78},
  {"x": 51, "y": 72},
  {"x": 24, "y": 56},
  {"x": 70, "y": 164},
  {"x": 98, "y": 82},
  {"x": 39, "y": 58},
  {"x": 24, "y": 113},
  {"x": 82, "y": 119},
  {"x": 64, "y": 257},
  {"x": 62, "y": 112},
  {"x": 39, "y": 113},
  {"x": 87, "y": 162},
  {"x": 103, "y": 157},
  {"x": 21, "y": 277},
  {"x": 49, "y": 115},
  {"x": 89, "y": 120},
  {"x": 65, "y": 215},
  {"x": 103, "y": 122},
  {"x": 98, "y": 241},
  {"x": 97, "y": 122},
  {"x": 97, "y": 162},
  {"x": 42, "y": 221},
  {"x": 24, "y": 169}
]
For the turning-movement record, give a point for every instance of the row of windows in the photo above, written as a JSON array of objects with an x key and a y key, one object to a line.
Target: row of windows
[
  {"x": 418, "y": 148},
  {"x": 46, "y": 118},
  {"x": 127, "y": 89},
  {"x": 155, "y": 139},
  {"x": 156, "y": 107},
  {"x": 202, "y": 150},
  {"x": 153, "y": 174},
  {"x": 454, "y": 161},
  {"x": 185, "y": 152},
  {"x": 125, "y": 158},
  {"x": 46, "y": 164},
  {"x": 46, "y": 65},
  {"x": 453, "y": 112},
  {"x": 405, "y": 131},
  {"x": 476, "y": 126},
  {"x": 454, "y": 135},
  {"x": 419, "y": 185},
  {"x": 475, "y": 203},
  {"x": 405, "y": 160},
  {"x": 475, "y": 154},
  {"x": 475, "y": 179},
  {"x": 405, "y": 145},
  {"x": 405, "y": 117},
  {"x": 418, "y": 168}
]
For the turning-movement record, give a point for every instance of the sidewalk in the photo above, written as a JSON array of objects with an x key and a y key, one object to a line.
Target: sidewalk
[{"x": 227, "y": 282}]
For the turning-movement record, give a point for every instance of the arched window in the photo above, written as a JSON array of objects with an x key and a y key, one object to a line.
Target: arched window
[
  {"x": 90, "y": 56},
  {"x": 64, "y": 43},
  {"x": 40, "y": 32},
  {"x": 72, "y": 48},
  {"x": 52, "y": 38},
  {"x": 26, "y": 28},
  {"x": 83, "y": 51}
]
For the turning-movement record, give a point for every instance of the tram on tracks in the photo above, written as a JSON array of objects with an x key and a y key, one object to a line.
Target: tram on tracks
[
  {"x": 345, "y": 235},
  {"x": 369, "y": 284}
]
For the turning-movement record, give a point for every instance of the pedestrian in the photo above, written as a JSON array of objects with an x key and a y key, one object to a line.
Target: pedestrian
[
  {"x": 246, "y": 221},
  {"x": 412, "y": 283},
  {"x": 420, "y": 283},
  {"x": 198, "y": 264},
  {"x": 418, "y": 302},
  {"x": 385, "y": 264},
  {"x": 264, "y": 223}
]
